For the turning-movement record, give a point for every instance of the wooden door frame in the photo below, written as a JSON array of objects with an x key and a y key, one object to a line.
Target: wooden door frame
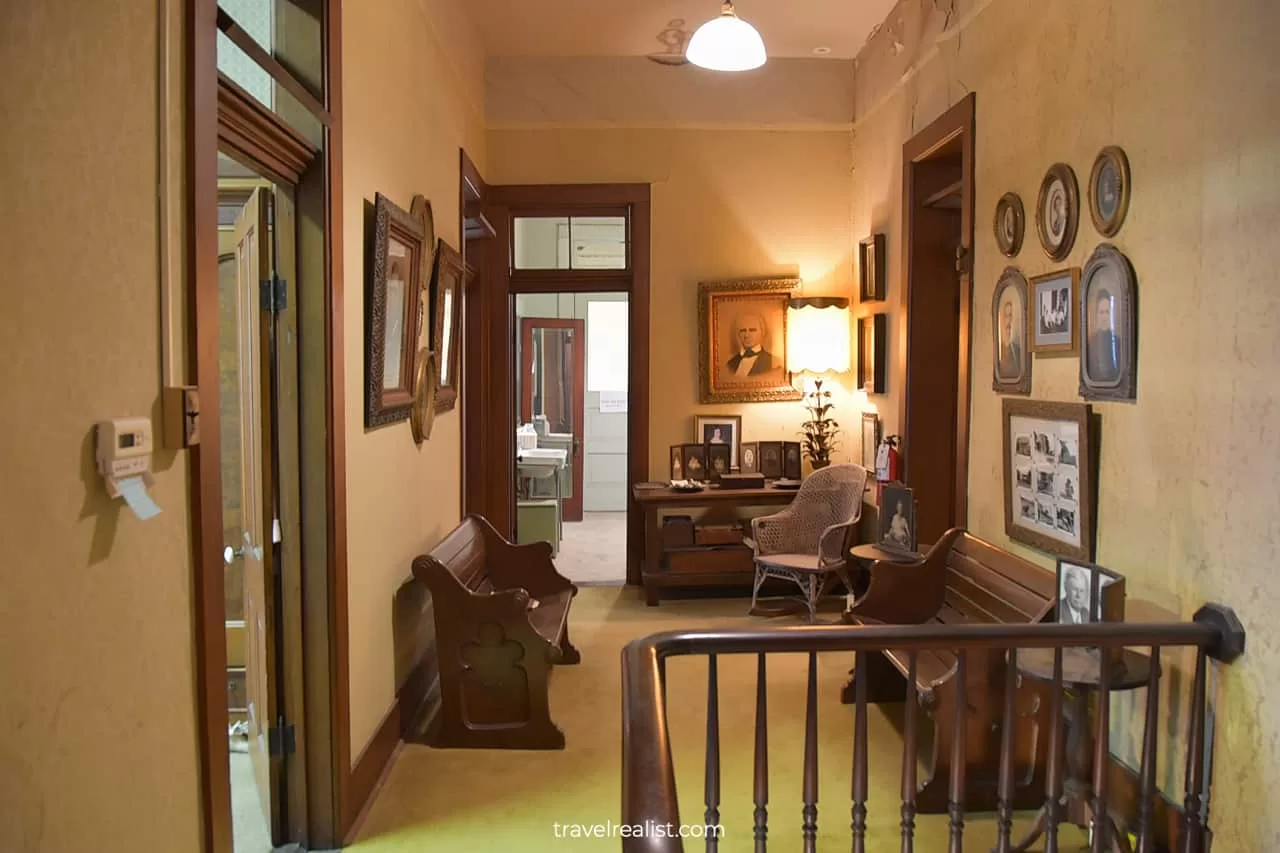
[
  {"x": 576, "y": 449},
  {"x": 491, "y": 353},
  {"x": 322, "y": 795},
  {"x": 955, "y": 127}
]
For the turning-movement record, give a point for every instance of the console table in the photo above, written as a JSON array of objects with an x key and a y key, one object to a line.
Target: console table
[{"x": 714, "y": 565}]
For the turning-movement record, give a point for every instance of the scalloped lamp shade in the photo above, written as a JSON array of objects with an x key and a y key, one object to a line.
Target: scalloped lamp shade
[
  {"x": 818, "y": 336},
  {"x": 726, "y": 43}
]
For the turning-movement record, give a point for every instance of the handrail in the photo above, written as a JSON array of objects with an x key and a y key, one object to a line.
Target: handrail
[{"x": 648, "y": 784}]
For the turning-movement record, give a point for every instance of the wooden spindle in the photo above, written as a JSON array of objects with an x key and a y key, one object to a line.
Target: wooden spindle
[
  {"x": 1192, "y": 828},
  {"x": 960, "y": 721},
  {"x": 1056, "y": 765},
  {"x": 859, "y": 810},
  {"x": 1004, "y": 805},
  {"x": 1147, "y": 772},
  {"x": 712, "y": 813},
  {"x": 810, "y": 811},
  {"x": 910, "y": 751},
  {"x": 1102, "y": 756},
  {"x": 761, "y": 817}
]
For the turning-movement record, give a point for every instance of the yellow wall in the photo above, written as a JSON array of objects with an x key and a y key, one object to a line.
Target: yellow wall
[
  {"x": 97, "y": 719},
  {"x": 1188, "y": 507},
  {"x": 725, "y": 204},
  {"x": 409, "y": 105}
]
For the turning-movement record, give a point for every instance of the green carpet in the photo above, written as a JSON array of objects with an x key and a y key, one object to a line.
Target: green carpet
[{"x": 457, "y": 801}]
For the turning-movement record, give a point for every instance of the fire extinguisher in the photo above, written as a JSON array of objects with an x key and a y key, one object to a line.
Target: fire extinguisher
[{"x": 888, "y": 463}]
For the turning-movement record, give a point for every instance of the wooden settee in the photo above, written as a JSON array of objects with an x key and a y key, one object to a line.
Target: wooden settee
[
  {"x": 502, "y": 622},
  {"x": 962, "y": 580}
]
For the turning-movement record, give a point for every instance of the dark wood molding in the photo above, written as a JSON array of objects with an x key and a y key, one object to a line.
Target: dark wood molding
[
  {"x": 570, "y": 281},
  {"x": 259, "y": 139},
  {"x": 205, "y": 460},
  {"x": 638, "y": 397},
  {"x": 371, "y": 768},
  {"x": 472, "y": 192}
]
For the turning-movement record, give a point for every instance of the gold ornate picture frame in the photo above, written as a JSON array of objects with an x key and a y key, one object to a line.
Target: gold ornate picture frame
[{"x": 742, "y": 334}]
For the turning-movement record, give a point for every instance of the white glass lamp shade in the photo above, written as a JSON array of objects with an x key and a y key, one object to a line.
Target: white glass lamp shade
[
  {"x": 818, "y": 336},
  {"x": 726, "y": 43}
]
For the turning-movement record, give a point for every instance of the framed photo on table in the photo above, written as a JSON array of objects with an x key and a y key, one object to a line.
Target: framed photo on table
[
  {"x": 1088, "y": 593},
  {"x": 742, "y": 336},
  {"x": 393, "y": 319},
  {"x": 720, "y": 429},
  {"x": 897, "y": 523},
  {"x": 1049, "y": 499}
]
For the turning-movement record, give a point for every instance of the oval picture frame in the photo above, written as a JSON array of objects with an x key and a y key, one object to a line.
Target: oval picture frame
[
  {"x": 1109, "y": 186},
  {"x": 1011, "y": 350},
  {"x": 426, "y": 384},
  {"x": 1009, "y": 224},
  {"x": 1058, "y": 211},
  {"x": 1108, "y": 333}
]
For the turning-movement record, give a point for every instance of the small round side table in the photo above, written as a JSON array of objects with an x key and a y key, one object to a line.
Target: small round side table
[{"x": 1081, "y": 674}]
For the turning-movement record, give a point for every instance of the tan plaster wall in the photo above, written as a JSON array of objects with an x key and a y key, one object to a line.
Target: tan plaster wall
[
  {"x": 97, "y": 715},
  {"x": 408, "y": 108},
  {"x": 1188, "y": 508},
  {"x": 725, "y": 204}
]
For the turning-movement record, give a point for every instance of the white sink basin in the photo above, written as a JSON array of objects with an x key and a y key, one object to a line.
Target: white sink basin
[{"x": 550, "y": 457}]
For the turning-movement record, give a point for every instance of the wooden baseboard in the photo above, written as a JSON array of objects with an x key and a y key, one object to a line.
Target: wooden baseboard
[{"x": 1124, "y": 790}]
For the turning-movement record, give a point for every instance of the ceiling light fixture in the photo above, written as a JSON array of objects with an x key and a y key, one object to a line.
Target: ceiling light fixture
[{"x": 726, "y": 43}]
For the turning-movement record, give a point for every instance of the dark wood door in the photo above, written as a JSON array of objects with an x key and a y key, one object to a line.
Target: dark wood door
[{"x": 552, "y": 385}]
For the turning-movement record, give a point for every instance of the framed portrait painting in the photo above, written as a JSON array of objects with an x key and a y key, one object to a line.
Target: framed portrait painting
[
  {"x": 1048, "y": 476},
  {"x": 1010, "y": 224},
  {"x": 393, "y": 320},
  {"x": 873, "y": 332},
  {"x": 1109, "y": 190},
  {"x": 871, "y": 269},
  {"x": 1058, "y": 211},
  {"x": 742, "y": 331},
  {"x": 1109, "y": 315},
  {"x": 720, "y": 429},
  {"x": 1053, "y": 312},
  {"x": 1011, "y": 358}
]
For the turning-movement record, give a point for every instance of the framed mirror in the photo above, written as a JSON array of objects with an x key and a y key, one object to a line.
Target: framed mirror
[{"x": 446, "y": 298}]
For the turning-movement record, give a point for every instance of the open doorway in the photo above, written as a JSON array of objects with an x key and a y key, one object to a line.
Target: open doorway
[
  {"x": 937, "y": 209},
  {"x": 571, "y": 459}
]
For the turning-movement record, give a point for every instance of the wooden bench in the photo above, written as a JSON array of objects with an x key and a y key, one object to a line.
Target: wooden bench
[
  {"x": 962, "y": 580},
  {"x": 502, "y": 621}
]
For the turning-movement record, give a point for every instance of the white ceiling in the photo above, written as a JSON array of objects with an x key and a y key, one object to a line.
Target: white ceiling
[{"x": 790, "y": 28}]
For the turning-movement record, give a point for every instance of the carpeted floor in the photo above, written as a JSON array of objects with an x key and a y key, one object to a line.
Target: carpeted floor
[
  {"x": 594, "y": 551},
  {"x": 470, "y": 800}
]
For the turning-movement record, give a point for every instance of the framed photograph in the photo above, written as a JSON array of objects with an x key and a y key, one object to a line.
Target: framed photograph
[
  {"x": 870, "y": 440},
  {"x": 1053, "y": 312},
  {"x": 1109, "y": 314},
  {"x": 716, "y": 457},
  {"x": 1109, "y": 190},
  {"x": 720, "y": 429},
  {"x": 742, "y": 330},
  {"x": 897, "y": 527},
  {"x": 1011, "y": 359},
  {"x": 872, "y": 364},
  {"x": 689, "y": 462},
  {"x": 1088, "y": 593},
  {"x": 393, "y": 320},
  {"x": 749, "y": 457},
  {"x": 791, "y": 464},
  {"x": 446, "y": 322},
  {"x": 1049, "y": 501},
  {"x": 770, "y": 459},
  {"x": 1010, "y": 224},
  {"x": 871, "y": 269},
  {"x": 1058, "y": 211}
]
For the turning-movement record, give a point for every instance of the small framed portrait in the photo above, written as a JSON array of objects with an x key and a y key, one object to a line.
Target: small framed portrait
[
  {"x": 1011, "y": 359},
  {"x": 1010, "y": 224},
  {"x": 720, "y": 429},
  {"x": 742, "y": 330},
  {"x": 1058, "y": 211},
  {"x": 693, "y": 462},
  {"x": 897, "y": 522},
  {"x": 1109, "y": 190},
  {"x": 1049, "y": 502},
  {"x": 749, "y": 457},
  {"x": 870, "y": 440},
  {"x": 1109, "y": 315},
  {"x": 1053, "y": 312},
  {"x": 872, "y": 363},
  {"x": 717, "y": 459},
  {"x": 770, "y": 459},
  {"x": 1088, "y": 593},
  {"x": 791, "y": 465},
  {"x": 393, "y": 318},
  {"x": 871, "y": 271},
  {"x": 677, "y": 462}
]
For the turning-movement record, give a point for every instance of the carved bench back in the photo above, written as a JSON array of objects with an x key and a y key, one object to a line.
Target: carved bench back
[
  {"x": 463, "y": 553},
  {"x": 988, "y": 584}
]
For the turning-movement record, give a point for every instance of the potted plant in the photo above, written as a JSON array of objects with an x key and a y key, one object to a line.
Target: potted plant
[{"x": 819, "y": 430}]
